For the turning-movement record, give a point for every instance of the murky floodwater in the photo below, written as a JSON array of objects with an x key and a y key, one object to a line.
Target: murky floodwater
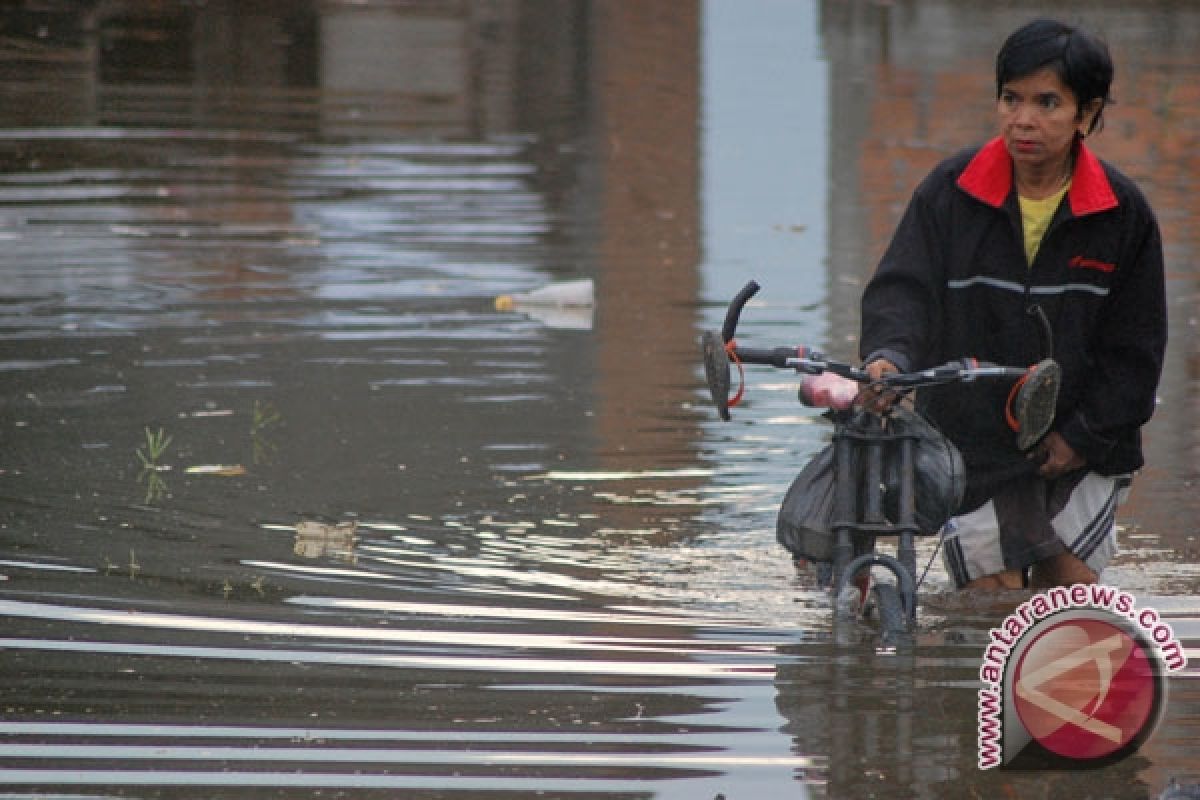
[{"x": 288, "y": 509}]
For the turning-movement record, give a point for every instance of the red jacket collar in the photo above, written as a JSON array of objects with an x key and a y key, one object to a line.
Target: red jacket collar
[{"x": 988, "y": 177}]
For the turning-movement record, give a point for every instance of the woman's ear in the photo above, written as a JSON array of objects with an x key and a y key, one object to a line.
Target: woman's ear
[{"x": 1087, "y": 116}]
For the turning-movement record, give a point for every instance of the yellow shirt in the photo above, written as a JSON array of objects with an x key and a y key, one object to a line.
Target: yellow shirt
[{"x": 1035, "y": 219}]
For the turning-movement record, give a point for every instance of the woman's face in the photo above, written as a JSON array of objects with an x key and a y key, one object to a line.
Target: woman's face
[{"x": 1039, "y": 116}]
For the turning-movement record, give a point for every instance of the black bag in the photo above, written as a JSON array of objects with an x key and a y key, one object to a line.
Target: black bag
[
  {"x": 805, "y": 522},
  {"x": 940, "y": 476},
  {"x": 806, "y": 516}
]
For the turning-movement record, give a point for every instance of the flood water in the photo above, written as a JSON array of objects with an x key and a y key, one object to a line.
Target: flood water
[{"x": 289, "y": 509}]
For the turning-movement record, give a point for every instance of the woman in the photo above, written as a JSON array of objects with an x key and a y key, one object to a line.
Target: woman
[{"x": 1027, "y": 240}]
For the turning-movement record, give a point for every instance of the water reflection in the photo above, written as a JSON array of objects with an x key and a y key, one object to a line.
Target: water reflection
[{"x": 271, "y": 236}]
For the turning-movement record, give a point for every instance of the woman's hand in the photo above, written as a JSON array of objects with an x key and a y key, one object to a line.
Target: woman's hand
[
  {"x": 873, "y": 397},
  {"x": 1057, "y": 457}
]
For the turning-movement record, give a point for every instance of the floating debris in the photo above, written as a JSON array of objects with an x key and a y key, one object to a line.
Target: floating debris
[
  {"x": 565, "y": 294},
  {"x": 222, "y": 470},
  {"x": 318, "y": 539},
  {"x": 567, "y": 304}
]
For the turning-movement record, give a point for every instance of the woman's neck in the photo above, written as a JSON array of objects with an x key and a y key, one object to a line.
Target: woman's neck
[{"x": 1038, "y": 183}]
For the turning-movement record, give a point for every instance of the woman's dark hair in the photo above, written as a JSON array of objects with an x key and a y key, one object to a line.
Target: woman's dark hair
[{"x": 1080, "y": 60}]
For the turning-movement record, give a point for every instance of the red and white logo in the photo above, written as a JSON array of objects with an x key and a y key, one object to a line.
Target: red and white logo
[
  {"x": 1085, "y": 688},
  {"x": 1074, "y": 676}
]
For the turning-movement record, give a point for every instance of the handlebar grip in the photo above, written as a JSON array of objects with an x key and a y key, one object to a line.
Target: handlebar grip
[
  {"x": 1011, "y": 373},
  {"x": 964, "y": 370},
  {"x": 772, "y": 357},
  {"x": 735, "y": 310}
]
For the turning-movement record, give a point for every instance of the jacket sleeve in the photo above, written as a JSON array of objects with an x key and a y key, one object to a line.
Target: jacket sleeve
[
  {"x": 901, "y": 304},
  {"x": 1126, "y": 351}
]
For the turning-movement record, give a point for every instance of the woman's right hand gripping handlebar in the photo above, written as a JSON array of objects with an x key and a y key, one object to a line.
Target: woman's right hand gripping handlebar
[{"x": 875, "y": 396}]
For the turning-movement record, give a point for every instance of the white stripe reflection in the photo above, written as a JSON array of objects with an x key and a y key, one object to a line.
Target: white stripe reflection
[{"x": 675, "y": 669}]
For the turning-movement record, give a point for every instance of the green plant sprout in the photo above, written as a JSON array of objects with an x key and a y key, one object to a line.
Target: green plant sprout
[
  {"x": 156, "y": 446},
  {"x": 265, "y": 417}
]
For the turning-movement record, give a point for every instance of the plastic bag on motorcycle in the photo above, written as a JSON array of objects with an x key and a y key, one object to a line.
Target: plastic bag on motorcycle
[{"x": 805, "y": 525}]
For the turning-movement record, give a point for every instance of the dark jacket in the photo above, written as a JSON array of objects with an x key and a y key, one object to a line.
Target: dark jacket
[{"x": 954, "y": 282}]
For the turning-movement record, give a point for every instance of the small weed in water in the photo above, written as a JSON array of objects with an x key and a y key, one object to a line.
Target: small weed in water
[
  {"x": 150, "y": 454},
  {"x": 157, "y": 443},
  {"x": 265, "y": 418}
]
